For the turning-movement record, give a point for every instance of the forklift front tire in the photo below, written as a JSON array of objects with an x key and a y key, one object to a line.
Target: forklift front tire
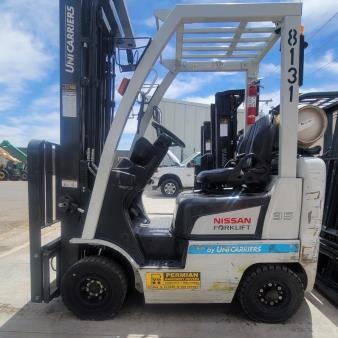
[
  {"x": 271, "y": 293},
  {"x": 94, "y": 288}
]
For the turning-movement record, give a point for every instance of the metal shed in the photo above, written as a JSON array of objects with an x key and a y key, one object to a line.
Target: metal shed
[{"x": 184, "y": 119}]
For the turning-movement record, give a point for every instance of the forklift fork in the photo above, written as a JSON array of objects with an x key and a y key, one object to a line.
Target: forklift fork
[{"x": 43, "y": 192}]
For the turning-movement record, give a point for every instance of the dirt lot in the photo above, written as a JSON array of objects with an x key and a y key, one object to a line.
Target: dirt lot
[{"x": 22, "y": 319}]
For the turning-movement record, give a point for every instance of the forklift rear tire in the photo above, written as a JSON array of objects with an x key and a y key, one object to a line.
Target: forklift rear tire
[
  {"x": 271, "y": 293},
  {"x": 170, "y": 187},
  {"x": 94, "y": 288}
]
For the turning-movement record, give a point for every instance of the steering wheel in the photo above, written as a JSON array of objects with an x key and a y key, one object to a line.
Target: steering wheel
[{"x": 175, "y": 141}]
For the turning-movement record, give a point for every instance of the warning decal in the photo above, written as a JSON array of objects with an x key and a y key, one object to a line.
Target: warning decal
[{"x": 173, "y": 280}]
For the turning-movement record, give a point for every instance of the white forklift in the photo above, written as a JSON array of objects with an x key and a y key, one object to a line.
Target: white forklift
[{"x": 250, "y": 233}]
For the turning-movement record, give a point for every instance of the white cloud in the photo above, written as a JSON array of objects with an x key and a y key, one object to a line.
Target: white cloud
[
  {"x": 269, "y": 95},
  {"x": 200, "y": 99},
  {"x": 267, "y": 69},
  {"x": 50, "y": 100},
  {"x": 7, "y": 101},
  {"x": 22, "y": 57},
  {"x": 316, "y": 13},
  {"x": 150, "y": 22},
  {"x": 8, "y": 132},
  {"x": 21, "y": 134},
  {"x": 40, "y": 120},
  {"x": 189, "y": 84},
  {"x": 327, "y": 64},
  {"x": 38, "y": 18}
]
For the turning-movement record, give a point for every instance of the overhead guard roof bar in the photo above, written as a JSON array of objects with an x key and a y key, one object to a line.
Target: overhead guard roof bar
[
  {"x": 286, "y": 14},
  {"x": 227, "y": 41}
]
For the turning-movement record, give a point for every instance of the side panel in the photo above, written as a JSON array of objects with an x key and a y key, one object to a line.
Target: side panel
[
  {"x": 313, "y": 172},
  {"x": 236, "y": 222},
  {"x": 213, "y": 217},
  {"x": 213, "y": 270},
  {"x": 283, "y": 215}
]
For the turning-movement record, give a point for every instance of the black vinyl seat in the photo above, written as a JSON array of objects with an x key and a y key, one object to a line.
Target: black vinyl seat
[
  {"x": 145, "y": 158},
  {"x": 252, "y": 164},
  {"x": 142, "y": 152}
]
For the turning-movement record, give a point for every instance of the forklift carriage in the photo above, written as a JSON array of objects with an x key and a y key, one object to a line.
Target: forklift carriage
[{"x": 247, "y": 233}]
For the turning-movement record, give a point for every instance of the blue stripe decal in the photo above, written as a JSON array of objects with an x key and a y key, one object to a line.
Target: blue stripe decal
[{"x": 236, "y": 249}]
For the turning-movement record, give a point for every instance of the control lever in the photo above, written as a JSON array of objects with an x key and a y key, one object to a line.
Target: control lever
[{"x": 67, "y": 204}]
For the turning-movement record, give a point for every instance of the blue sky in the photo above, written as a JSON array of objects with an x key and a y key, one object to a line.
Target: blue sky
[{"x": 29, "y": 63}]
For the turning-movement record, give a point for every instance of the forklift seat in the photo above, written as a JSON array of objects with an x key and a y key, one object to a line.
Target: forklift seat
[
  {"x": 143, "y": 152},
  {"x": 252, "y": 164},
  {"x": 144, "y": 159}
]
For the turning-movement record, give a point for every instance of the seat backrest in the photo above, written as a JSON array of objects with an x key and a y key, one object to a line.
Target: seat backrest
[
  {"x": 143, "y": 151},
  {"x": 259, "y": 140},
  {"x": 149, "y": 156},
  {"x": 161, "y": 146}
]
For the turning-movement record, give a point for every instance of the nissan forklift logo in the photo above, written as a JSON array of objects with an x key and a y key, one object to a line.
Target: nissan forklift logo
[
  {"x": 69, "y": 31},
  {"x": 232, "y": 223}
]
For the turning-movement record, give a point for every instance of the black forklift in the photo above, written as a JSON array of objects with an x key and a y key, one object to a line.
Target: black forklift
[
  {"x": 219, "y": 135},
  {"x": 327, "y": 272}
]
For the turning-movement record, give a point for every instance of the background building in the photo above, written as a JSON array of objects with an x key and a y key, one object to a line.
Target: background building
[{"x": 185, "y": 119}]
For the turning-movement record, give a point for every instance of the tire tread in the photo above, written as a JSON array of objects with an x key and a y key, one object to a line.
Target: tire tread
[
  {"x": 251, "y": 276},
  {"x": 113, "y": 267}
]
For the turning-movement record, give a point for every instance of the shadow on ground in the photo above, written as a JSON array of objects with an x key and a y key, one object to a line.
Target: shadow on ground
[{"x": 137, "y": 320}]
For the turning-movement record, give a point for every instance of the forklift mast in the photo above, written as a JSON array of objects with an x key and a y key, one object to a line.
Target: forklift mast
[
  {"x": 206, "y": 138},
  {"x": 91, "y": 31},
  {"x": 224, "y": 126},
  {"x": 219, "y": 135}
]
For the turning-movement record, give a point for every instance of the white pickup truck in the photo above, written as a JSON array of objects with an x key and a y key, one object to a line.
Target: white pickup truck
[{"x": 172, "y": 176}]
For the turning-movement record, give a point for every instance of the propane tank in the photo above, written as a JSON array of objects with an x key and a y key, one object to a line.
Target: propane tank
[{"x": 312, "y": 123}]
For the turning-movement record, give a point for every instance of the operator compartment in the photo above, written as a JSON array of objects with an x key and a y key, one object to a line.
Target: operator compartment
[{"x": 233, "y": 200}]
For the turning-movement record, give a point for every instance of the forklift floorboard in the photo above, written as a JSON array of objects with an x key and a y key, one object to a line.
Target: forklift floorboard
[{"x": 19, "y": 318}]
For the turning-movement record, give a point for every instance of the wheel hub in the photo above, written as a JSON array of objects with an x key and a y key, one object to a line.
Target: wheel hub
[
  {"x": 271, "y": 294},
  {"x": 93, "y": 289},
  {"x": 170, "y": 188}
]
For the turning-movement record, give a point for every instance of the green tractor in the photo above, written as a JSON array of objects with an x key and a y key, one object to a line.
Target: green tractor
[
  {"x": 11, "y": 168},
  {"x": 14, "y": 165}
]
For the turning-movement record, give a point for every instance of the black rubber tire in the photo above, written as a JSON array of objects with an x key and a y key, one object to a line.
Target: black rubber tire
[
  {"x": 3, "y": 175},
  {"x": 98, "y": 268},
  {"x": 251, "y": 303},
  {"x": 24, "y": 176},
  {"x": 174, "y": 183}
]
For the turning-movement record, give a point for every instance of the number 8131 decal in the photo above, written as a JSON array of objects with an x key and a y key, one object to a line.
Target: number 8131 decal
[{"x": 292, "y": 71}]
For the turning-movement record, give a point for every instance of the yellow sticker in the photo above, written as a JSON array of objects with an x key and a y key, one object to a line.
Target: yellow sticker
[{"x": 173, "y": 280}]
